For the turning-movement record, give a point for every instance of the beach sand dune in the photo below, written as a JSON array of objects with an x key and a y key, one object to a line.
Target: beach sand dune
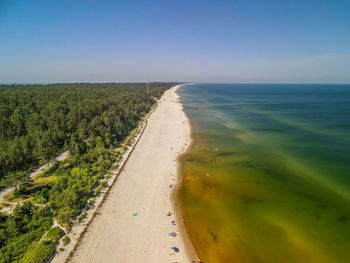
[{"x": 133, "y": 225}]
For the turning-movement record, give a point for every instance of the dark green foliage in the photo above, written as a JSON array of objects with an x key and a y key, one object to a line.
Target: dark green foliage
[
  {"x": 69, "y": 195},
  {"x": 50, "y": 171},
  {"x": 19, "y": 230},
  {"x": 38, "y": 121},
  {"x": 42, "y": 196},
  {"x": 44, "y": 249}
]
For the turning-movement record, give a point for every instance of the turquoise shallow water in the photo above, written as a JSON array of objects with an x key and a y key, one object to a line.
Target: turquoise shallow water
[{"x": 268, "y": 176}]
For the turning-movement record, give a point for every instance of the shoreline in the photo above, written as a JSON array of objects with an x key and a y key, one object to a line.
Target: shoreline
[
  {"x": 189, "y": 246},
  {"x": 144, "y": 236}
]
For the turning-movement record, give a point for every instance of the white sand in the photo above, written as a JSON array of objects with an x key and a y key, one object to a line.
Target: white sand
[{"x": 143, "y": 187}]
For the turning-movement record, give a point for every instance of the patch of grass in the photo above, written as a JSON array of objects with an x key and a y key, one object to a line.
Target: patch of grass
[{"x": 54, "y": 234}]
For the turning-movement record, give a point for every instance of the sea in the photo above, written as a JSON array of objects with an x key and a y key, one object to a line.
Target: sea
[{"x": 267, "y": 178}]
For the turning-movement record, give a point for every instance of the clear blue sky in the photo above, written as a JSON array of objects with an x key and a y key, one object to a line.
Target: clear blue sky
[{"x": 208, "y": 41}]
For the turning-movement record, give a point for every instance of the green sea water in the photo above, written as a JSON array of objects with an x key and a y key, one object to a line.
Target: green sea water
[{"x": 267, "y": 178}]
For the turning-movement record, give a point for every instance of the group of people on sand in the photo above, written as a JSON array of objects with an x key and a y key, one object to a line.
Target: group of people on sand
[
  {"x": 173, "y": 234},
  {"x": 173, "y": 222}
]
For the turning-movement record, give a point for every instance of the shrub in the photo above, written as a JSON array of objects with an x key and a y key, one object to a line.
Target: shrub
[
  {"x": 54, "y": 234},
  {"x": 66, "y": 240},
  {"x": 90, "y": 202},
  {"x": 82, "y": 216}
]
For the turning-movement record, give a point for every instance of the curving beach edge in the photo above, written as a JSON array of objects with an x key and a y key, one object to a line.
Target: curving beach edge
[{"x": 134, "y": 224}]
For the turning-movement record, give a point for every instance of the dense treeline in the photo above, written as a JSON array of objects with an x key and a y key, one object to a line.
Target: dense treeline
[
  {"x": 63, "y": 196},
  {"x": 19, "y": 230},
  {"x": 89, "y": 119},
  {"x": 38, "y": 121}
]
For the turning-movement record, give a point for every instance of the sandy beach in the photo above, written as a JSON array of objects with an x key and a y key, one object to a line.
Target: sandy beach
[{"x": 133, "y": 224}]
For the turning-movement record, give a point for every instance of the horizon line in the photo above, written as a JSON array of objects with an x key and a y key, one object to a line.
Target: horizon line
[{"x": 175, "y": 82}]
